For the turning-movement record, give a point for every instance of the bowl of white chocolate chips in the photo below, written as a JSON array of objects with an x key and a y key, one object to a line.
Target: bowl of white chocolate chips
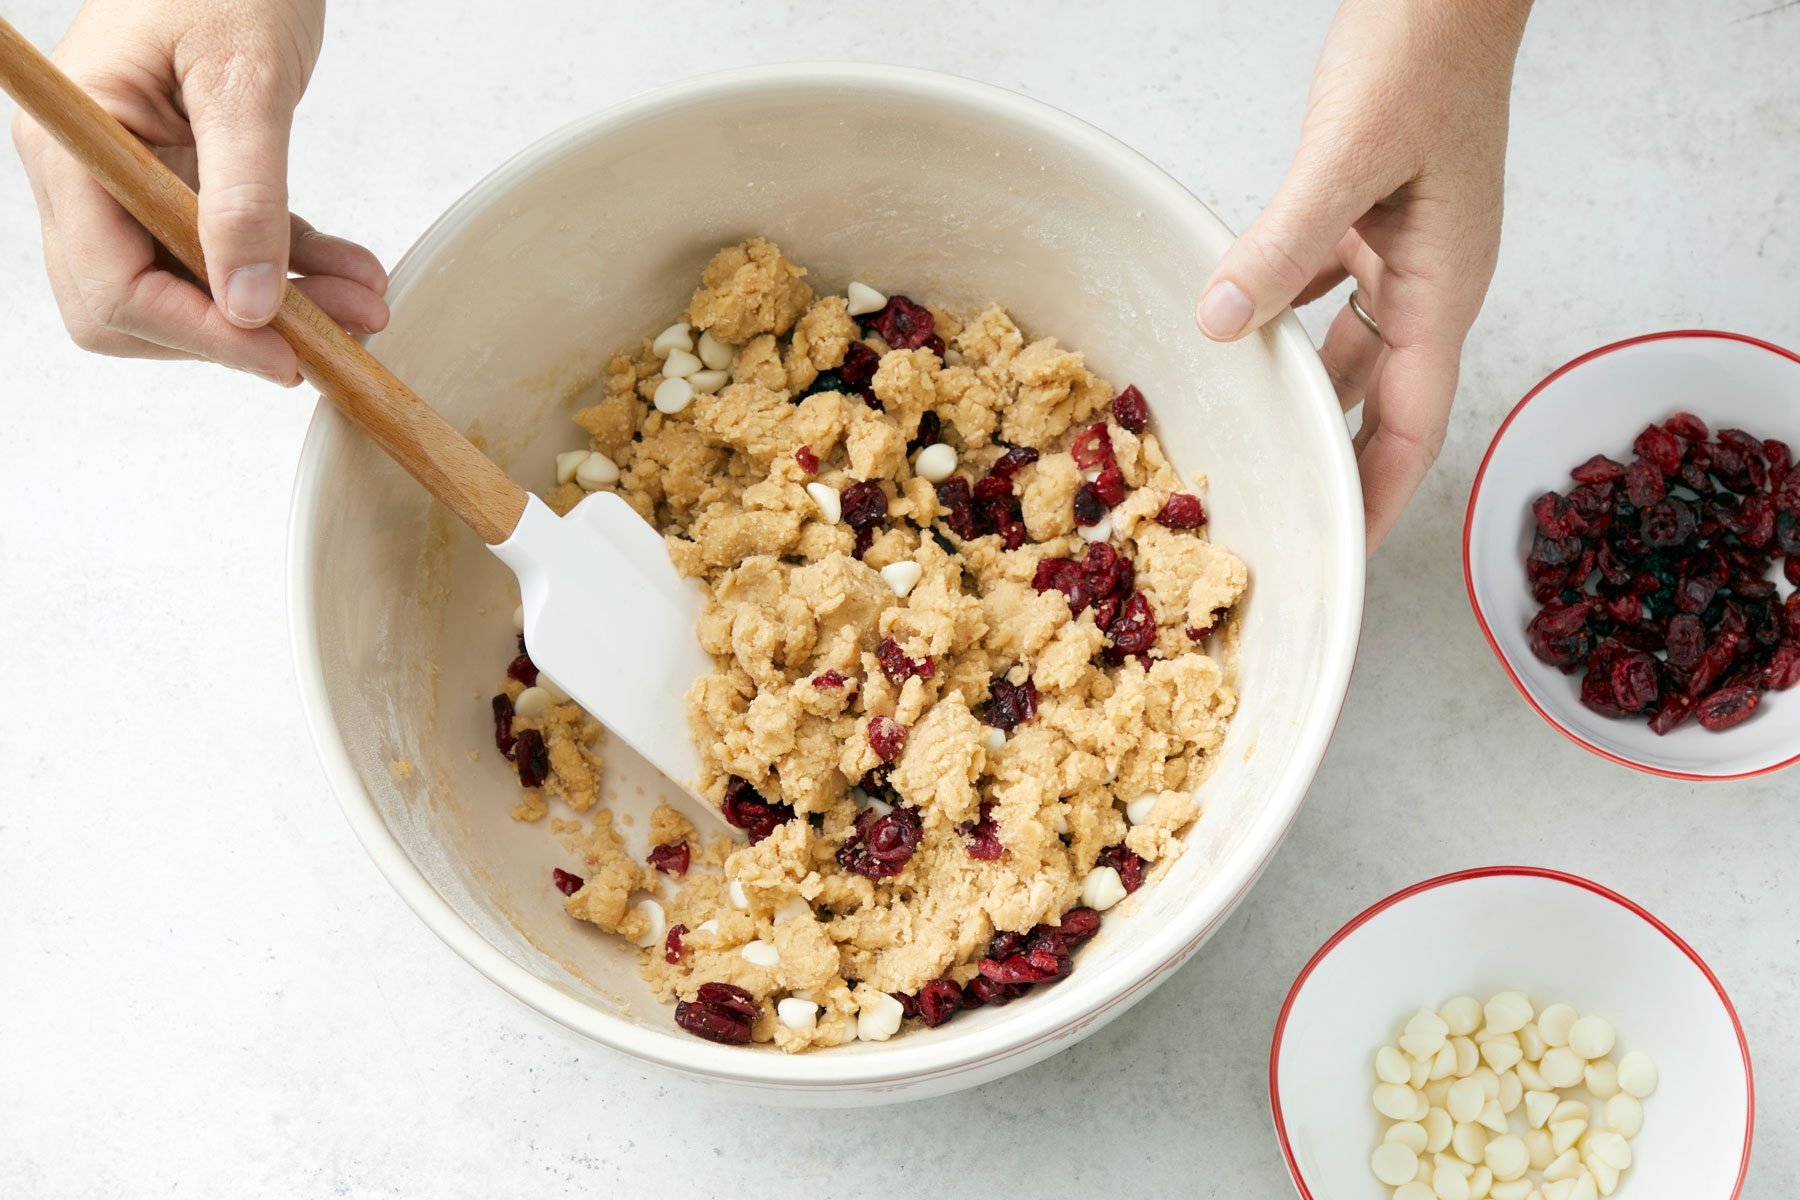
[
  {"x": 1510, "y": 1033},
  {"x": 1030, "y": 609}
]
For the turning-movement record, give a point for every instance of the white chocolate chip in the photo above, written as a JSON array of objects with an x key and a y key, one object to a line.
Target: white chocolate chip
[
  {"x": 1625, "y": 1115},
  {"x": 1461, "y": 1016},
  {"x": 1426, "y": 1021},
  {"x": 877, "y": 1016},
  {"x": 830, "y": 502},
  {"x": 1566, "y": 1165},
  {"x": 1637, "y": 1074},
  {"x": 1099, "y": 531},
  {"x": 1570, "y": 1110},
  {"x": 1554, "y": 1024},
  {"x": 1467, "y": 1056},
  {"x": 1491, "y": 1117},
  {"x": 1464, "y": 1101},
  {"x": 1511, "y": 1092},
  {"x": 1605, "y": 1178},
  {"x": 1439, "y": 1129},
  {"x": 1421, "y": 1067},
  {"x": 1591, "y": 1037},
  {"x": 656, "y": 924},
  {"x": 675, "y": 337},
  {"x": 1507, "y": 1157},
  {"x": 1416, "y": 1190},
  {"x": 714, "y": 353},
  {"x": 1507, "y": 1012},
  {"x": 680, "y": 364},
  {"x": 1562, "y": 1067},
  {"x": 1469, "y": 1142},
  {"x": 1138, "y": 811},
  {"x": 1103, "y": 888},
  {"x": 902, "y": 575},
  {"x": 597, "y": 471},
  {"x": 518, "y": 618},
  {"x": 532, "y": 703},
  {"x": 1564, "y": 1134},
  {"x": 739, "y": 899},
  {"x": 1538, "y": 1142},
  {"x": 672, "y": 396},
  {"x": 761, "y": 954},
  {"x": 863, "y": 299},
  {"x": 793, "y": 906},
  {"x": 802, "y": 1016},
  {"x": 711, "y": 925},
  {"x": 708, "y": 382},
  {"x": 1449, "y": 1183},
  {"x": 1410, "y": 1134},
  {"x": 568, "y": 462},
  {"x": 1602, "y": 1079},
  {"x": 1538, "y": 1107},
  {"x": 1502, "y": 1055},
  {"x": 1480, "y": 1183},
  {"x": 935, "y": 463},
  {"x": 1611, "y": 1149},
  {"x": 1531, "y": 1077},
  {"x": 996, "y": 739},
  {"x": 1394, "y": 1164},
  {"x": 552, "y": 689},
  {"x": 1584, "y": 1189},
  {"x": 1518, "y": 1189}
]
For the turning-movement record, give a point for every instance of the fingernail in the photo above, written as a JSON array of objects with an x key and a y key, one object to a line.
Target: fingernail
[
  {"x": 1224, "y": 310},
  {"x": 252, "y": 294}
]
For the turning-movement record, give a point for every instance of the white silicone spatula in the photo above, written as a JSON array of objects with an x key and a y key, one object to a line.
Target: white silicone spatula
[{"x": 606, "y": 616}]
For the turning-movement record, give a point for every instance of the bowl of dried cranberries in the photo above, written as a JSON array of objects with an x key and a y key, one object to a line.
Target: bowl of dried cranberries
[{"x": 1632, "y": 551}]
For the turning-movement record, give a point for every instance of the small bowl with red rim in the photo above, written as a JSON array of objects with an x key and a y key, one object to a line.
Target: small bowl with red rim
[
  {"x": 1556, "y": 937},
  {"x": 1599, "y": 404}
]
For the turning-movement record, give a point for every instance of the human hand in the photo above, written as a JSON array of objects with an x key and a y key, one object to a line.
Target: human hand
[
  {"x": 211, "y": 88},
  {"x": 1397, "y": 183}
]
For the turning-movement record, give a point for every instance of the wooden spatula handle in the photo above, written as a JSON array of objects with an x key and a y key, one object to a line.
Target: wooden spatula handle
[{"x": 468, "y": 483}]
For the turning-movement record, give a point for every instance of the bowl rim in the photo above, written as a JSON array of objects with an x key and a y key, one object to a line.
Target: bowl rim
[
  {"x": 1468, "y": 566},
  {"x": 1474, "y": 873},
  {"x": 904, "y": 1066}
]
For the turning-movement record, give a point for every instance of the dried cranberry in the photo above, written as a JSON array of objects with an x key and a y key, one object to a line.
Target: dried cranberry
[
  {"x": 887, "y": 737},
  {"x": 930, "y": 432},
  {"x": 1687, "y": 427},
  {"x": 566, "y": 883},
  {"x": 1644, "y": 484},
  {"x": 1198, "y": 633},
  {"x": 1010, "y": 705},
  {"x": 859, "y": 365},
  {"x": 809, "y": 462},
  {"x": 719, "y": 1012},
  {"x": 959, "y": 506},
  {"x": 1659, "y": 447},
  {"x": 1066, "y": 576},
  {"x": 1182, "y": 511},
  {"x": 1127, "y": 863},
  {"x": 982, "y": 990},
  {"x": 1079, "y": 924},
  {"x": 1092, "y": 447},
  {"x": 672, "y": 947},
  {"x": 864, "y": 504},
  {"x": 1016, "y": 459},
  {"x": 532, "y": 757},
  {"x": 523, "y": 670},
  {"x": 1727, "y": 707},
  {"x": 983, "y": 834},
  {"x": 1131, "y": 410},
  {"x": 744, "y": 808},
  {"x": 938, "y": 1001},
  {"x": 1669, "y": 523},
  {"x": 881, "y": 846},
  {"x": 1783, "y": 669},
  {"x": 829, "y": 679},
  {"x": 1634, "y": 682},
  {"x": 1598, "y": 469},
  {"x": 1088, "y": 509},
  {"x": 898, "y": 667},
  {"x": 903, "y": 324},
  {"x": 671, "y": 858},
  {"x": 1133, "y": 631},
  {"x": 503, "y": 730}
]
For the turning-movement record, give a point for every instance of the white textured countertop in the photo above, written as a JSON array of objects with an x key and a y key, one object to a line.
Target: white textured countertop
[{"x": 207, "y": 990}]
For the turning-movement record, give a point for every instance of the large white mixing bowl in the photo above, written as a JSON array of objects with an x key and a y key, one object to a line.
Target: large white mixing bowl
[{"x": 946, "y": 190}]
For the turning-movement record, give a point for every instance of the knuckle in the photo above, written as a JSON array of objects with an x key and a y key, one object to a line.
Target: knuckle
[
  {"x": 1280, "y": 249},
  {"x": 242, "y": 211}
]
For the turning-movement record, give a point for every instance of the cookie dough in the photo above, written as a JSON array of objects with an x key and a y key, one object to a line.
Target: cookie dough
[{"x": 937, "y": 709}]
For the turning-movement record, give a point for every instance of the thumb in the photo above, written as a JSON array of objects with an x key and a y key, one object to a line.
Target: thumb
[
  {"x": 1286, "y": 246},
  {"x": 241, "y": 119}
]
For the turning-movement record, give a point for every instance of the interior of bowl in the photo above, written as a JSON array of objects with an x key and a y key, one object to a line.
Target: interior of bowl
[
  {"x": 1558, "y": 940},
  {"x": 1597, "y": 405},
  {"x": 503, "y": 317}
]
